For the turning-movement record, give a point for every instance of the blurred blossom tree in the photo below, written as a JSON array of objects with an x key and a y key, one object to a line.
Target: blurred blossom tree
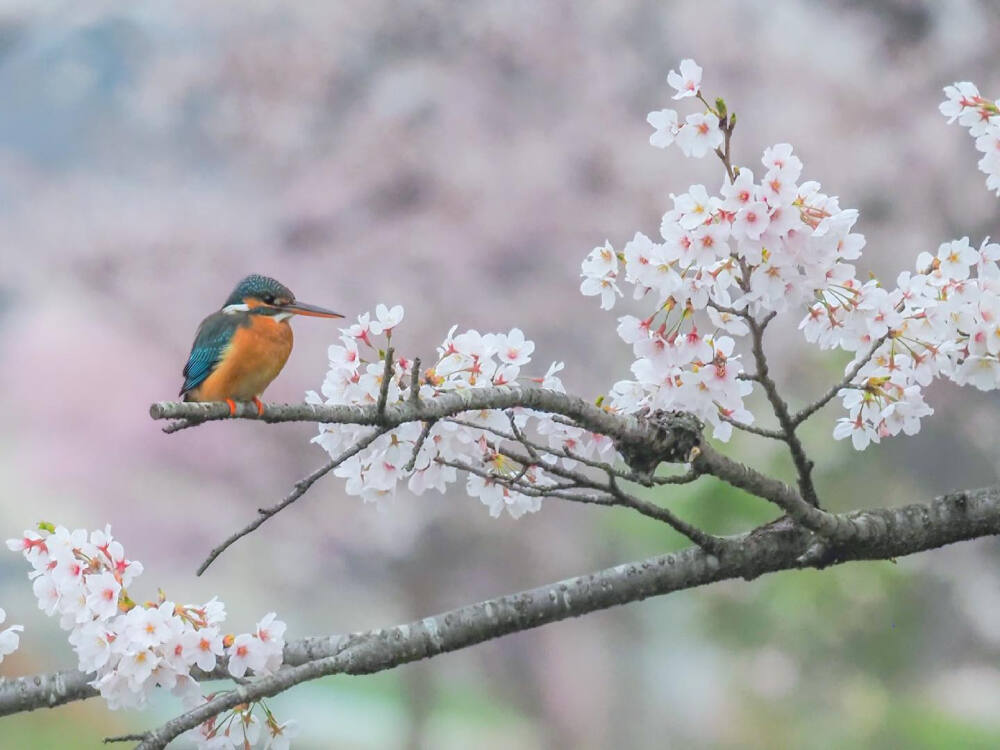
[{"x": 725, "y": 266}]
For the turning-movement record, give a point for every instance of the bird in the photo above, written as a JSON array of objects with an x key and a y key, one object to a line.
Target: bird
[{"x": 240, "y": 349}]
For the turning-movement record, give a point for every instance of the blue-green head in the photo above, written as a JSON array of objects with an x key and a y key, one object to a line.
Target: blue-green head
[{"x": 262, "y": 295}]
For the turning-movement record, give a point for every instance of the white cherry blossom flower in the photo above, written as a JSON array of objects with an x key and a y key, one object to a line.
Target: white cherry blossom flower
[
  {"x": 695, "y": 206},
  {"x": 666, "y": 126},
  {"x": 385, "y": 319},
  {"x": 699, "y": 134},
  {"x": 9, "y": 636},
  {"x": 959, "y": 97},
  {"x": 688, "y": 81},
  {"x": 133, "y": 649},
  {"x": 281, "y": 734},
  {"x": 102, "y": 595}
]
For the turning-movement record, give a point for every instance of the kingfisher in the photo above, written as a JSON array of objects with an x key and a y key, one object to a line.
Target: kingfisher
[{"x": 240, "y": 349}]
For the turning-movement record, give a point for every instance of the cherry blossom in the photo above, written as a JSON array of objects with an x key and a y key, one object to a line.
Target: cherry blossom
[
  {"x": 386, "y": 319},
  {"x": 102, "y": 595},
  {"x": 600, "y": 271},
  {"x": 960, "y": 97},
  {"x": 280, "y": 734},
  {"x": 9, "y": 636},
  {"x": 430, "y": 457},
  {"x": 982, "y": 119},
  {"x": 665, "y": 124},
  {"x": 699, "y": 134},
  {"x": 135, "y": 649},
  {"x": 781, "y": 245},
  {"x": 688, "y": 81},
  {"x": 724, "y": 263}
]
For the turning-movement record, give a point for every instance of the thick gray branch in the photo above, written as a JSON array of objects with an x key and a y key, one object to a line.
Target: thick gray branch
[
  {"x": 878, "y": 535},
  {"x": 587, "y": 415}
]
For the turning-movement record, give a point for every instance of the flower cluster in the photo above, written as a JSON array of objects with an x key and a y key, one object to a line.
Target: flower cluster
[
  {"x": 700, "y": 131},
  {"x": 723, "y": 265},
  {"x": 728, "y": 262},
  {"x": 756, "y": 247},
  {"x": 242, "y": 729},
  {"x": 430, "y": 456},
  {"x": 941, "y": 321},
  {"x": 982, "y": 117},
  {"x": 134, "y": 648},
  {"x": 9, "y": 638}
]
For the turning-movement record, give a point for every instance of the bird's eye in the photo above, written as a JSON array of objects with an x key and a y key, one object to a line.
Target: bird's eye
[{"x": 269, "y": 299}]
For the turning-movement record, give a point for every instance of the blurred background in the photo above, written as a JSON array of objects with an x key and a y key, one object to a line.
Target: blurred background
[{"x": 461, "y": 159}]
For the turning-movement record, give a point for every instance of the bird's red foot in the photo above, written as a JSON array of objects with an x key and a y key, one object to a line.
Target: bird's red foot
[
  {"x": 260, "y": 406},
  {"x": 232, "y": 407}
]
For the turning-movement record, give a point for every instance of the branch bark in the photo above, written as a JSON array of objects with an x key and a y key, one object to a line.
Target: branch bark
[
  {"x": 623, "y": 428},
  {"x": 879, "y": 535},
  {"x": 644, "y": 441}
]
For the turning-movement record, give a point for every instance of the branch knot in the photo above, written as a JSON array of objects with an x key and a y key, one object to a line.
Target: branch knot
[{"x": 672, "y": 436}]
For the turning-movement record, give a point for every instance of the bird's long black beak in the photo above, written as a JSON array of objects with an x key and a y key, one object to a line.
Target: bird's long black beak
[{"x": 301, "y": 308}]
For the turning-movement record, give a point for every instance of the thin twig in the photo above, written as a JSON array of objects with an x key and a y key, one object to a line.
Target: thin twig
[
  {"x": 727, "y": 123},
  {"x": 712, "y": 544},
  {"x": 705, "y": 541},
  {"x": 534, "y": 448},
  {"x": 710, "y": 461},
  {"x": 519, "y": 437},
  {"x": 424, "y": 432},
  {"x": 744, "y": 313},
  {"x": 753, "y": 430},
  {"x": 823, "y": 400},
  {"x": 803, "y": 464},
  {"x": 383, "y": 391},
  {"x": 516, "y": 482},
  {"x": 415, "y": 382},
  {"x": 687, "y": 477},
  {"x": 627, "y": 476},
  {"x": 298, "y": 490}
]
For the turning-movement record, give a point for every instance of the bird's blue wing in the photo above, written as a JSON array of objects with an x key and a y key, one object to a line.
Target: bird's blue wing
[{"x": 210, "y": 344}]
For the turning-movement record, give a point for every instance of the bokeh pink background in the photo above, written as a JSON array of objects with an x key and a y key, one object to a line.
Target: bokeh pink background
[{"x": 461, "y": 159}]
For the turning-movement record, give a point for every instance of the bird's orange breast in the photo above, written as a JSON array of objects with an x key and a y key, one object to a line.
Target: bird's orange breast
[{"x": 253, "y": 359}]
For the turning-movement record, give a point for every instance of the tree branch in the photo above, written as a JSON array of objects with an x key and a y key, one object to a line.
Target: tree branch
[
  {"x": 618, "y": 426},
  {"x": 711, "y": 544},
  {"x": 754, "y": 430},
  {"x": 534, "y": 448},
  {"x": 644, "y": 442},
  {"x": 421, "y": 439},
  {"x": 383, "y": 391},
  {"x": 803, "y": 465},
  {"x": 710, "y": 461},
  {"x": 807, "y": 411},
  {"x": 415, "y": 381},
  {"x": 300, "y": 488},
  {"x": 881, "y": 534}
]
